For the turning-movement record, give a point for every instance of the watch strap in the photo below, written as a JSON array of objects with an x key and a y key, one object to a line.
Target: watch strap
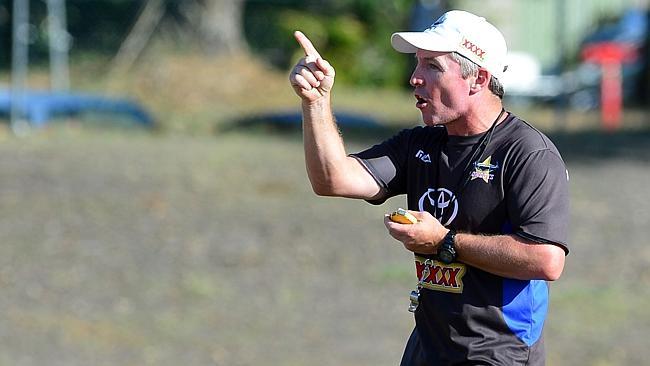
[{"x": 449, "y": 245}]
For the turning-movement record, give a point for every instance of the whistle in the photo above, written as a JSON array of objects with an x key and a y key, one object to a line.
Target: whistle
[{"x": 403, "y": 217}]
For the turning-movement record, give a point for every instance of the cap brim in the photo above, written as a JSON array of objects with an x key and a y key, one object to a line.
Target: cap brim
[{"x": 410, "y": 42}]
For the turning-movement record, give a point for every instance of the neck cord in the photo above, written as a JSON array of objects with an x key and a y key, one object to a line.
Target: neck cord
[{"x": 480, "y": 148}]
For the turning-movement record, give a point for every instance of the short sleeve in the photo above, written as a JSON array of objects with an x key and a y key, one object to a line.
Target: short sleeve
[
  {"x": 537, "y": 198},
  {"x": 386, "y": 162}
]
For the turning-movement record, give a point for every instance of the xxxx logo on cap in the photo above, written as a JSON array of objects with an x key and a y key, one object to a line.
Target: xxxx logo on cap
[{"x": 479, "y": 52}]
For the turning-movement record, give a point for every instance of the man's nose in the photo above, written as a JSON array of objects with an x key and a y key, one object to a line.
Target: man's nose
[{"x": 416, "y": 80}]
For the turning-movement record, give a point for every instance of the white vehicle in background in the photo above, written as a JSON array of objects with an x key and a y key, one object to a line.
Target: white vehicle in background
[{"x": 523, "y": 80}]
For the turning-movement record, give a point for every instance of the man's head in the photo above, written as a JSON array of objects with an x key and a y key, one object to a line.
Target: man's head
[
  {"x": 459, "y": 59},
  {"x": 458, "y": 31}
]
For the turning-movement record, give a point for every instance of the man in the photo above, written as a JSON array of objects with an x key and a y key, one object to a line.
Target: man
[{"x": 489, "y": 191}]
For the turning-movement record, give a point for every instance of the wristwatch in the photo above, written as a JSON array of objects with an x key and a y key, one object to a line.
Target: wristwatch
[{"x": 447, "y": 251}]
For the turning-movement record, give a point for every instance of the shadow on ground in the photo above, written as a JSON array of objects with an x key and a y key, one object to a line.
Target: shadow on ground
[
  {"x": 583, "y": 145},
  {"x": 353, "y": 127}
]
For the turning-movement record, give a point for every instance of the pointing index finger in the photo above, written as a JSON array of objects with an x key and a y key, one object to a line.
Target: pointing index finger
[{"x": 306, "y": 44}]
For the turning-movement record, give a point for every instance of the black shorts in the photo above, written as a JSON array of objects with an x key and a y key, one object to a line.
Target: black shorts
[{"x": 413, "y": 353}]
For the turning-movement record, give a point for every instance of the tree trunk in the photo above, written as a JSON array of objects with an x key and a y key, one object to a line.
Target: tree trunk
[
  {"x": 216, "y": 25},
  {"x": 219, "y": 24}
]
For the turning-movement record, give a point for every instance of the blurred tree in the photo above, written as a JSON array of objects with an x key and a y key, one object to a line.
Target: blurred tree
[
  {"x": 220, "y": 25},
  {"x": 353, "y": 34},
  {"x": 216, "y": 25},
  {"x": 5, "y": 33},
  {"x": 97, "y": 26},
  {"x": 103, "y": 26}
]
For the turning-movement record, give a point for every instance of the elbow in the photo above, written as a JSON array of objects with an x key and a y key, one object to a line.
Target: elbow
[
  {"x": 552, "y": 273},
  {"x": 330, "y": 186},
  {"x": 322, "y": 190},
  {"x": 553, "y": 264}
]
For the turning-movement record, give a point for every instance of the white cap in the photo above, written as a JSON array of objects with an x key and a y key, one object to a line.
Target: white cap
[{"x": 459, "y": 31}]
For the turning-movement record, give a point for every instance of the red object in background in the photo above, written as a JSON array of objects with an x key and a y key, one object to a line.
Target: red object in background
[{"x": 610, "y": 56}]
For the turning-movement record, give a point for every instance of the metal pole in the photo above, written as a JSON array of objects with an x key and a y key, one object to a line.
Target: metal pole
[
  {"x": 59, "y": 45},
  {"x": 560, "y": 36},
  {"x": 19, "y": 64}
]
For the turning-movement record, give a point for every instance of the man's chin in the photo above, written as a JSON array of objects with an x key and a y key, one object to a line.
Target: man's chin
[
  {"x": 433, "y": 120},
  {"x": 430, "y": 122}
]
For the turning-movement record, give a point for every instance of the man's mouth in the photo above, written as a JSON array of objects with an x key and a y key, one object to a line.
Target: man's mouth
[{"x": 421, "y": 102}]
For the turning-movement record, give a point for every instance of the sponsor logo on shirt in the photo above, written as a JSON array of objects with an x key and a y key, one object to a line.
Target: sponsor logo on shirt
[
  {"x": 484, "y": 170},
  {"x": 441, "y": 203},
  {"x": 441, "y": 277},
  {"x": 422, "y": 156}
]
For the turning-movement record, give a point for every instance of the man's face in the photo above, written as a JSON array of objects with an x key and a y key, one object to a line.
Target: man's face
[{"x": 441, "y": 92}]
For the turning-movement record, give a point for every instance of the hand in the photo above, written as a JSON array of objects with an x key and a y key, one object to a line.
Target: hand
[
  {"x": 312, "y": 78},
  {"x": 424, "y": 237}
]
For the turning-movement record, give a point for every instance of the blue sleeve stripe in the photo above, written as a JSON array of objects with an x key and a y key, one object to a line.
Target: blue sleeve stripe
[{"x": 525, "y": 304}]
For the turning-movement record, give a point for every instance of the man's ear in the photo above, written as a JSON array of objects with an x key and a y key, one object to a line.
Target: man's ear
[{"x": 481, "y": 81}]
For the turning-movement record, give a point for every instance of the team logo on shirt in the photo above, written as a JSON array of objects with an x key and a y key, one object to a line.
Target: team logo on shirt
[
  {"x": 440, "y": 276},
  {"x": 441, "y": 203},
  {"x": 422, "y": 156},
  {"x": 484, "y": 170}
]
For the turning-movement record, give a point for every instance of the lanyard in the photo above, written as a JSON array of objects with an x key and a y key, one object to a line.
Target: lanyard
[{"x": 479, "y": 149}]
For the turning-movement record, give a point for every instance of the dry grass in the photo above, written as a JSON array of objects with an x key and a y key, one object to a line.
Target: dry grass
[
  {"x": 137, "y": 249},
  {"x": 134, "y": 249}
]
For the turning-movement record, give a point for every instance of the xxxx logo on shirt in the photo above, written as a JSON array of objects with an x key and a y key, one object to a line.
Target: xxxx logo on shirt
[{"x": 441, "y": 277}]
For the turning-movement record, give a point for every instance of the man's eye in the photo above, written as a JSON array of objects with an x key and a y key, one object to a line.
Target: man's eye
[{"x": 434, "y": 66}]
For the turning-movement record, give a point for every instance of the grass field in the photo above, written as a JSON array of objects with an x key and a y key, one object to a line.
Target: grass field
[
  {"x": 126, "y": 248},
  {"x": 198, "y": 247}
]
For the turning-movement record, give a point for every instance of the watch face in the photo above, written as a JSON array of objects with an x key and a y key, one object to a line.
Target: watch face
[{"x": 445, "y": 256}]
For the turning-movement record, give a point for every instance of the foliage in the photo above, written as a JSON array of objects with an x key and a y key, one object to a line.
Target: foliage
[
  {"x": 99, "y": 26},
  {"x": 353, "y": 34}
]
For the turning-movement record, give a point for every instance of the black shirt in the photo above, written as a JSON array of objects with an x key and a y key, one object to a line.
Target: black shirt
[{"x": 518, "y": 184}]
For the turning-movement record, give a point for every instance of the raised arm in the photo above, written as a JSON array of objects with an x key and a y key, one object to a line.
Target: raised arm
[{"x": 331, "y": 171}]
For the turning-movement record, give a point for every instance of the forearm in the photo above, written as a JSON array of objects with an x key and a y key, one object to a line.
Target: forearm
[
  {"x": 324, "y": 148},
  {"x": 511, "y": 256},
  {"x": 508, "y": 256},
  {"x": 330, "y": 170}
]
